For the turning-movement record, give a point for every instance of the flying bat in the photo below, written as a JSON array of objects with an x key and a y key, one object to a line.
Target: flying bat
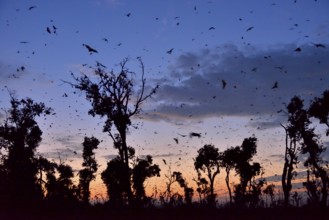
[
  {"x": 48, "y": 30},
  {"x": 90, "y": 49},
  {"x": 194, "y": 134},
  {"x": 170, "y": 51},
  {"x": 298, "y": 49},
  {"x": 319, "y": 45},
  {"x": 223, "y": 84}
]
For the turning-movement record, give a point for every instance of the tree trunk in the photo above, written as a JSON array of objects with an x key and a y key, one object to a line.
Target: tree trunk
[
  {"x": 287, "y": 170},
  {"x": 227, "y": 180},
  {"x": 285, "y": 187},
  {"x": 126, "y": 162},
  {"x": 324, "y": 180},
  {"x": 212, "y": 197}
]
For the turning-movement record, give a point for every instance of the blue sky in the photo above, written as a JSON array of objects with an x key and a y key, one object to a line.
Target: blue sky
[{"x": 249, "y": 46}]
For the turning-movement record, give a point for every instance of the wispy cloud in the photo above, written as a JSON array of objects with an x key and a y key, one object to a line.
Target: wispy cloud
[
  {"x": 2, "y": 116},
  {"x": 110, "y": 156},
  {"x": 164, "y": 155},
  {"x": 68, "y": 141},
  {"x": 325, "y": 154},
  {"x": 277, "y": 178},
  {"x": 268, "y": 122}
]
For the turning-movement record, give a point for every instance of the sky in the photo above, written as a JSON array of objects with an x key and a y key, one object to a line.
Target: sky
[{"x": 266, "y": 52}]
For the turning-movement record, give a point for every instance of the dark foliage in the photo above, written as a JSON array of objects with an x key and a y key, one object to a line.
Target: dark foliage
[
  {"x": 208, "y": 162},
  {"x": 320, "y": 109},
  {"x": 114, "y": 180},
  {"x": 90, "y": 167},
  {"x": 300, "y": 132},
  {"x": 20, "y": 135},
  {"x": 228, "y": 162},
  {"x": 112, "y": 96},
  {"x": 142, "y": 170},
  {"x": 248, "y": 191}
]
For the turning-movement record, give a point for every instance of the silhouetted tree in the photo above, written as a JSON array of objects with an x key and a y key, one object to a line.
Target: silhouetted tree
[
  {"x": 67, "y": 191},
  {"x": 228, "y": 161},
  {"x": 269, "y": 191},
  {"x": 3, "y": 184},
  {"x": 142, "y": 170},
  {"x": 320, "y": 109},
  {"x": 169, "y": 198},
  {"x": 51, "y": 181},
  {"x": 208, "y": 161},
  {"x": 202, "y": 189},
  {"x": 309, "y": 142},
  {"x": 290, "y": 161},
  {"x": 188, "y": 195},
  {"x": 188, "y": 191},
  {"x": 297, "y": 117},
  {"x": 312, "y": 146},
  {"x": 44, "y": 167},
  {"x": 113, "y": 96},
  {"x": 90, "y": 166},
  {"x": 113, "y": 178},
  {"x": 296, "y": 198},
  {"x": 255, "y": 191},
  {"x": 20, "y": 136},
  {"x": 165, "y": 197},
  {"x": 59, "y": 185},
  {"x": 312, "y": 184},
  {"x": 247, "y": 173}
]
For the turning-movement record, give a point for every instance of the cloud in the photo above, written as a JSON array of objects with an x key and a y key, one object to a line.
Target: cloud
[
  {"x": 302, "y": 175},
  {"x": 69, "y": 141},
  {"x": 193, "y": 86},
  {"x": 110, "y": 156},
  {"x": 71, "y": 147},
  {"x": 268, "y": 122},
  {"x": 277, "y": 157},
  {"x": 165, "y": 155},
  {"x": 59, "y": 153},
  {"x": 2, "y": 116},
  {"x": 325, "y": 154}
]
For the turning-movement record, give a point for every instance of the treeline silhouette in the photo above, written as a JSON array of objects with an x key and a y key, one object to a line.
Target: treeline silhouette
[{"x": 31, "y": 182}]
